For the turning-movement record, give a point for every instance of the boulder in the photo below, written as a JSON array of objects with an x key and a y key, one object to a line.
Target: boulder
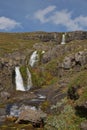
[
  {"x": 31, "y": 115},
  {"x": 81, "y": 57},
  {"x": 67, "y": 63}
]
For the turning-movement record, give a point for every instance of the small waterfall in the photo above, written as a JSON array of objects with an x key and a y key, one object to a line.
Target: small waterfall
[
  {"x": 43, "y": 52},
  {"x": 29, "y": 80},
  {"x": 33, "y": 59},
  {"x": 63, "y": 39},
  {"x": 19, "y": 80}
]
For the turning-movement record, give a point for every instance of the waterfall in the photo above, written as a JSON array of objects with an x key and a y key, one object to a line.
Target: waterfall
[
  {"x": 29, "y": 80},
  {"x": 19, "y": 80},
  {"x": 33, "y": 59},
  {"x": 43, "y": 52},
  {"x": 63, "y": 39}
]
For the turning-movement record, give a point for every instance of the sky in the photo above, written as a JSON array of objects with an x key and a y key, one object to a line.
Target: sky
[{"x": 43, "y": 15}]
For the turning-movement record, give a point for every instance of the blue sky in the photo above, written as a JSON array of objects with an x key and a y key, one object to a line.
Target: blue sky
[{"x": 43, "y": 15}]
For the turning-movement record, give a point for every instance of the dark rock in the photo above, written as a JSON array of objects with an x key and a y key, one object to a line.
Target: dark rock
[
  {"x": 73, "y": 92},
  {"x": 77, "y": 35},
  {"x": 81, "y": 111}
]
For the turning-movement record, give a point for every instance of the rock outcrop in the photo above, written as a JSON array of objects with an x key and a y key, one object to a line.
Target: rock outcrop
[{"x": 79, "y": 58}]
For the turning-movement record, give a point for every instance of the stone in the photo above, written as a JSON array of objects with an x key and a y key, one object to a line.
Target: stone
[
  {"x": 31, "y": 115},
  {"x": 83, "y": 125},
  {"x": 81, "y": 57},
  {"x": 5, "y": 95},
  {"x": 67, "y": 63}
]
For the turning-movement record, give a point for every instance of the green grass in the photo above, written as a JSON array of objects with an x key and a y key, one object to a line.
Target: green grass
[
  {"x": 23, "y": 70},
  {"x": 38, "y": 78},
  {"x": 80, "y": 79},
  {"x": 10, "y": 42},
  {"x": 66, "y": 120}
]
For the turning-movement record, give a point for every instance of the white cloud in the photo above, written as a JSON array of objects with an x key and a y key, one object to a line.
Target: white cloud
[
  {"x": 40, "y": 14},
  {"x": 63, "y": 17},
  {"x": 81, "y": 20},
  {"x": 7, "y": 23}
]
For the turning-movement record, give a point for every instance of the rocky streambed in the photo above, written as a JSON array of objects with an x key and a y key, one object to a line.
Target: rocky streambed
[
  {"x": 22, "y": 107},
  {"x": 28, "y": 108}
]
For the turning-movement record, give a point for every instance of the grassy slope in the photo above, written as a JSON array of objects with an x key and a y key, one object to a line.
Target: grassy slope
[{"x": 10, "y": 42}]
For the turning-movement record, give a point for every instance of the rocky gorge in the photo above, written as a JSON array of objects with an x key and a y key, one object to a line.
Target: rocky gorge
[{"x": 58, "y": 94}]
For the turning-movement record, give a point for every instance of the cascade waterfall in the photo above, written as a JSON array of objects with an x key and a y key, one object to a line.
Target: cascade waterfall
[
  {"x": 63, "y": 39},
  {"x": 19, "y": 80},
  {"x": 29, "y": 80},
  {"x": 33, "y": 59}
]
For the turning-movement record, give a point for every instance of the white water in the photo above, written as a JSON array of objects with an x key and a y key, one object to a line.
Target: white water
[
  {"x": 63, "y": 39},
  {"x": 42, "y": 96},
  {"x": 15, "y": 109},
  {"x": 29, "y": 80},
  {"x": 19, "y": 80},
  {"x": 43, "y": 52},
  {"x": 33, "y": 59}
]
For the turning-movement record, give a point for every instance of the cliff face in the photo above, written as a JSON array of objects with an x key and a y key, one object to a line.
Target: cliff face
[{"x": 59, "y": 73}]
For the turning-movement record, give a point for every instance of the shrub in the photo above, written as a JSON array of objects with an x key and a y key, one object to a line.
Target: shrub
[
  {"x": 66, "y": 120},
  {"x": 78, "y": 87}
]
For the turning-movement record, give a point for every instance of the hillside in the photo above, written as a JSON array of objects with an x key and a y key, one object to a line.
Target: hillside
[{"x": 60, "y": 75}]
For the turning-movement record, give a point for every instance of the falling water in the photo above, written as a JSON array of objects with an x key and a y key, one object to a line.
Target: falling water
[
  {"x": 63, "y": 39},
  {"x": 19, "y": 80},
  {"x": 33, "y": 59},
  {"x": 43, "y": 52},
  {"x": 29, "y": 80}
]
